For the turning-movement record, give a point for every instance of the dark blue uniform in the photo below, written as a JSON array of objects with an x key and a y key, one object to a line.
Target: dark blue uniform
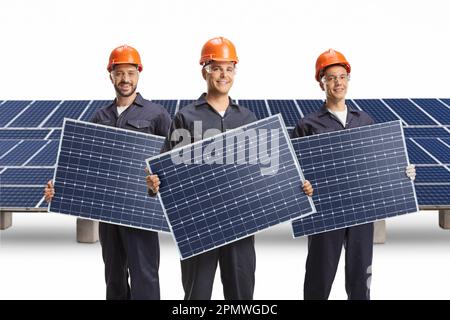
[
  {"x": 237, "y": 260},
  {"x": 324, "y": 249},
  {"x": 129, "y": 251}
]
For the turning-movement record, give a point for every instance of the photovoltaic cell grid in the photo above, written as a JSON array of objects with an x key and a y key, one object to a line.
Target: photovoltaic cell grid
[
  {"x": 427, "y": 132},
  {"x": 29, "y": 161},
  {"x": 436, "y": 108},
  {"x": 433, "y": 195},
  {"x": 309, "y": 106},
  {"x": 19, "y": 154},
  {"x": 358, "y": 177},
  {"x": 258, "y": 107},
  {"x": 352, "y": 105},
  {"x": 417, "y": 154},
  {"x": 209, "y": 204},
  {"x": 10, "y": 109},
  {"x": 34, "y": 114},
  {"x": 20, "y": 197},
  {"x": 287, "y": 109},
  {"x": 44, "y": 123},
  {"x": 23, "y": 134},
  {"x": 100, "y": 176},
  {"x": 437, "y": 148},
  {"x": 409, "y": 112},
  {"x": 47, "y": 155},
  {"x": 71, "y": 109},
  {"x": 27, "y": 166},
  {"x": 24, "y": 176},
  {"x": 433, "y": 172},
  {"x": 92, "y": 108},
  {"x": 377, "y": 110},
  {"x": 55, "y": 134}
]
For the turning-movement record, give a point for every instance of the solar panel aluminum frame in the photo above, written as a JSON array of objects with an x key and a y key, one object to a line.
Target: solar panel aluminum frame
[
  {"x": 334, "y": 133},
  {"x": 192, "y": 145},
  {"x": 66, "y": 120}
]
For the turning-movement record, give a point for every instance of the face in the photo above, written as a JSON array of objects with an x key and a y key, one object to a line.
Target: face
[
  {"x": 335, "y": 82},
  {"x": 125, "y": 78},
  {"x": 219, "y": 76}
]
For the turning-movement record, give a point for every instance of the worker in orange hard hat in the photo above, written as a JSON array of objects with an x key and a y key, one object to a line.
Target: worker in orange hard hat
[
  {"x": 128, "y": 252},
  {"x": 216, "y": 111},
  {"x": 324, "y": 249}
]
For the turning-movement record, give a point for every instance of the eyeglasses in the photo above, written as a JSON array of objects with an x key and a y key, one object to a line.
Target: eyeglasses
[
  {"x": 118, "y": 74},
  {"x": 230, "y": 70},
  {"x": 334, "y": 78}
]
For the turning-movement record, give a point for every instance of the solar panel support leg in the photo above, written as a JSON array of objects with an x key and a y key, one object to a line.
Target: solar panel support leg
[
  {"x": 444, "y": 219},
  {"x": 379, "y": 232},
  {"x": 87, "y": 231},
  {"x": 5, "y": 220}
]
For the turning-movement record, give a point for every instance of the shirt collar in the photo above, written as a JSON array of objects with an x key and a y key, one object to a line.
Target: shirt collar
[
  {"x": 324, "y": 110},
  {"x": 139, "y": 101},
  {"x": 202, "y": 101}
]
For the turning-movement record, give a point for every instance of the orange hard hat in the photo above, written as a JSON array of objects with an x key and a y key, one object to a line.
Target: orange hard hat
[
  {"x": 330, "y": 58},
  {"x": 124, "y": 54},
  {"x": 218, "y": 49}
]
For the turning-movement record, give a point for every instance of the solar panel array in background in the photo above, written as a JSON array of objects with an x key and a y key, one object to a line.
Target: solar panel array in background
[
  {"x": 210, "y": 204},
  {"x": 258, "y": 107},
  {"x": 100, "y": 175},
  {"x": 40, "y": 122},
  {"x": 358, "y": 177},
  {"x": 32, "y": 131}
]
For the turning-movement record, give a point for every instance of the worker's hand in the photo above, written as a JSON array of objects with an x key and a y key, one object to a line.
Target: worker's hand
[
  {"x": 411, "y": 171},
  {"x": 307, "y": 188},
  {"x": 49, "y": 191},
  {"x": 152, "y": 181}
]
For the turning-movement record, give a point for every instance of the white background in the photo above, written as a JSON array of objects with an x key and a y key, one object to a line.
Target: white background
[{"x": 53, "y": 49}]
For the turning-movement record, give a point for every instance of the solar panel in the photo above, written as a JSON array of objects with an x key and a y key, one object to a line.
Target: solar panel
[
  {"x": 436, "y": 108},
  {"x": 27, "y": 176},
  {"x": 23, "y": 134},
  {"x": 358, "y": 177},
  {"x": 68, "y": 109},
  {"x": 409, "y": 112},
  {"x": 92, "y": 108},
  {"x": 34, "y": 114},
  {"x": 434, "y": 174},
  {"x": 309, "y": 106},
  {"x": 22, "y": 151},
  {"x": 54, "y": 135},
  {"x": 10, "y": 109},
  {"x": 170, "y": 105},
  {"x": 445, "y": 101},
  {"x": 437, "y": 148},
  {"x": 352, "y": 105},
  {"x": 428, "y": 132},
  {"x": 432, "y": 195},
  {"x": 233, "y": 188},
  {"x": 18, "y": 197},
  {"x": 47, "y": 156},
  {"x": 19, "y": 120},
  {"x": 258, "y": 107},
  {"x": 376, "y": 109},
  {"x": 100, "y": 176},
  {"x": 6, "y": 146},
  {"x": 287, "y": 109},
  {"x": 417, "y": 155}
]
